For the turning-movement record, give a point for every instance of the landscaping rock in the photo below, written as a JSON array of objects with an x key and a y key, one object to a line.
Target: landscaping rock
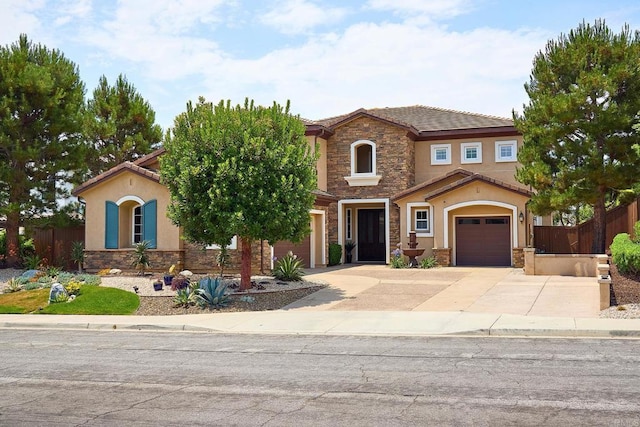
[
  {"x": 29, "y": 274},
  {"x": 56, "y": 290}
]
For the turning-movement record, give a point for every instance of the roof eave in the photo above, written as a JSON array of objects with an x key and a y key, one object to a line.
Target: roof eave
[{"x": 437, "y": 135}]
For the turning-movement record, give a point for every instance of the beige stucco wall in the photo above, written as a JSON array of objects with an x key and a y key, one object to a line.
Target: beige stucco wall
[
  {"x": 503, "y": 171},
  {"x": 481, "y": 195},
  {"x": 321, "y": 166},
  {"x": 117, "y": 187}
]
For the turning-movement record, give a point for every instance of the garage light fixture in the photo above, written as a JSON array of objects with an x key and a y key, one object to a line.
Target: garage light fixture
[{"x": 521, "y": 217}]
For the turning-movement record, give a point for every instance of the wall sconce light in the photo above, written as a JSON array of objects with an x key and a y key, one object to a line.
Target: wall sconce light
[{"x": 521, "y": 217}]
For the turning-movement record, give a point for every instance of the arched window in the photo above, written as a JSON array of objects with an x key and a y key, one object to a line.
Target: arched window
[{"x": 363, "y": 164}]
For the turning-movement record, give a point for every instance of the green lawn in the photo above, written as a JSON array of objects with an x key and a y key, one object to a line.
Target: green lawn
[{"x": 92, "y": 300}]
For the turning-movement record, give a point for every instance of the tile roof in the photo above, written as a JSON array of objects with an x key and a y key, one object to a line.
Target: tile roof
[
  {"x": 122, "y": 167},
  {"x": 423, "y": 119},
  {"x": 423, "y": 185},
  {"x": 149, "y": 158},
  {"x": 477, "y": 177}
]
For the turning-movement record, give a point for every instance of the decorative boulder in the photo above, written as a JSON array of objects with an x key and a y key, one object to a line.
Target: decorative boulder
[
  {"x": 115, "y": 271},
  {"x": 186, "y": 273},
  {"x": 56, "y": 290},
  {"x": 29, "y": 274}
]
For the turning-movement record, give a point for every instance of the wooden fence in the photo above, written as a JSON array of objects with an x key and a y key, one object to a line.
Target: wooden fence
[
  {"x": 579, "y": 239},
  {"x": 54, "y": 245}
]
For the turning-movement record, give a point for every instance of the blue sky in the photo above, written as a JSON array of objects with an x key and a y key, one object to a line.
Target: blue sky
[{"x": 327, "y": 57}]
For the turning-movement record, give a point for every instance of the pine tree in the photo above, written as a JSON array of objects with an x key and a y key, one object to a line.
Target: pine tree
[
  {"x": 246, "y": 170},
  {"x": 41, "y": 145},
  {"x": 120, "y": 125},
  {"x": 577, "y": 129}
]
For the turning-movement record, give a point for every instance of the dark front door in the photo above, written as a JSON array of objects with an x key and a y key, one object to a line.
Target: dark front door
[{"x": 371, "y": 244}]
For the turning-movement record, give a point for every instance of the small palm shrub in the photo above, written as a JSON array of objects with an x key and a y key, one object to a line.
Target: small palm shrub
[
  {"x": 77, "y": 254},
  {"x": 141, "y": 257},
  {"x": 211, "y": 293},
  {"x": 289, "y": 268},
  {"x": 429, "y": 262}
]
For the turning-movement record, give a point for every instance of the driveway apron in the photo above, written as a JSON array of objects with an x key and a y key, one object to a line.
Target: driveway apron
[{"x": 469, "y": 289}]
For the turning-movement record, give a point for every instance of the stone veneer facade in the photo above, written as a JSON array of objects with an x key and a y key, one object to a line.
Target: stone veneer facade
[
  {"x": 192, "y": 257},
  {"x": 518, "y": 257},
  {"x": 394, "y": 162}
]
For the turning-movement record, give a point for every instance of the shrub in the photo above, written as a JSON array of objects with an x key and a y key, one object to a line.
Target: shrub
[
  {"x": 211, "y": 293},
  {"x": 397, "y": 261},
  {"x": 89, "y": 279},
  {"x": 13, "y": 285},
  {"x": 636, "y": 232},
  {"x": 141, "y": 256},
  {"x": 429, "y": 262},
  {"x": 289, "y": 268},
  {"x": 73, "y": 288},
  {"x": 186, "y": 297},
  {"x": 32, "y": 262},
  {"x": 52, "y": 272},
  {"x": 335, "y": 253},
  {"x": 626, "y": 254},
  {"x": 64, "y": 277},
  {"x": 77, "y": 254}
]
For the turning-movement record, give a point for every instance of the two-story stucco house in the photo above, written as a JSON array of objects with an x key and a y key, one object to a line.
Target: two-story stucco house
[{"x": 447, "y": 175}]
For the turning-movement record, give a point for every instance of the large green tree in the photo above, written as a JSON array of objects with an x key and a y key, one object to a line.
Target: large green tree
[
  {"x": 245, "y": 170},
  {"x": 41, "y": 145},
  {"x": 578, "y": 128},
  {"x": 120, "y": 125}
]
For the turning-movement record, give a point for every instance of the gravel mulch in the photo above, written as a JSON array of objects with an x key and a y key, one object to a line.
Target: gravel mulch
[{"x": 625, "y": 296}]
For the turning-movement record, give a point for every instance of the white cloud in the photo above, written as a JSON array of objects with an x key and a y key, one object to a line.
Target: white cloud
[
  {"x": 300, "y": 16},
  {"x": 17, "y": 17},
  {"x": 432, "y": 9},
  {"x": 378, "y": 65},
  {"x": 71, "y": 10}
]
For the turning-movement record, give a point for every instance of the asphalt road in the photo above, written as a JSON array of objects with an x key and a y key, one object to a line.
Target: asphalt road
[{"x": 96, "y": 378}]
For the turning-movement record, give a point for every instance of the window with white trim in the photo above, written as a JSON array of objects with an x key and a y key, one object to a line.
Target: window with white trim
[
  {"x": 441, "y": 154},
  {"x": 471, "y": 152},
  {"x": 137, "y": 225},
  {"x": 363, "y": 164},
  {"x": 506, "y": 151},
  {"x": 232, "y": 245},
  {"x": 421, "y": 221}
]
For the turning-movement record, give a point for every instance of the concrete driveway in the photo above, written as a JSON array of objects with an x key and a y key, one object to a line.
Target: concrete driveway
[{"x": 468, "y": 289}]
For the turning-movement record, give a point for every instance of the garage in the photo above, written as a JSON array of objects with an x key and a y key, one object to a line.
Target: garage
[
  {"x": 483, "y": 241},
  {"x": 302, "y": 250}
]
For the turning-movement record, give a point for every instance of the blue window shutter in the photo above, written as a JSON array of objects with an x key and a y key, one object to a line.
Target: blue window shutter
[
  {"x": 150, "y": 223},
  {"x": 111, "y": 226}
]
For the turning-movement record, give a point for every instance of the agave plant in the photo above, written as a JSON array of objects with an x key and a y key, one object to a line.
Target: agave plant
[
  {"x": 289, "y": 268},
  {"x": 211, "y": 293},
  {"x": 186, "y": 297}
]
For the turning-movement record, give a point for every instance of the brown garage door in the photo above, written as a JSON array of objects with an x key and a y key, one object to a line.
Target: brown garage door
[
  {"x": 483, "y": 241},
  {"x": 302, "y": 249}
]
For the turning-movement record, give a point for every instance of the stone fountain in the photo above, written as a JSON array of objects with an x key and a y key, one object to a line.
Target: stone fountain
[{"x": 412, "y": 251}]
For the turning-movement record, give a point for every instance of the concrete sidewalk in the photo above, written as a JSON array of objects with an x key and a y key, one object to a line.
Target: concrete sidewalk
[{"x": 390, "y": 323}]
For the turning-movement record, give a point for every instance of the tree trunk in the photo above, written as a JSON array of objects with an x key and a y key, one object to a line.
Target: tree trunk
[
  {"x": 599, "y": 225},
  {"x": 245, "y": 270},
  {"x": 13, "y": 244}
]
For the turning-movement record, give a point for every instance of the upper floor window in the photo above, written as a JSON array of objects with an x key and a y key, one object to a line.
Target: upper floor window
[
  {"x": 441, "y": 154},
  {"x": 363, "y": 164},
  {"x": 471, "y": 152},
  {"x": 506, "y": 151}
]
